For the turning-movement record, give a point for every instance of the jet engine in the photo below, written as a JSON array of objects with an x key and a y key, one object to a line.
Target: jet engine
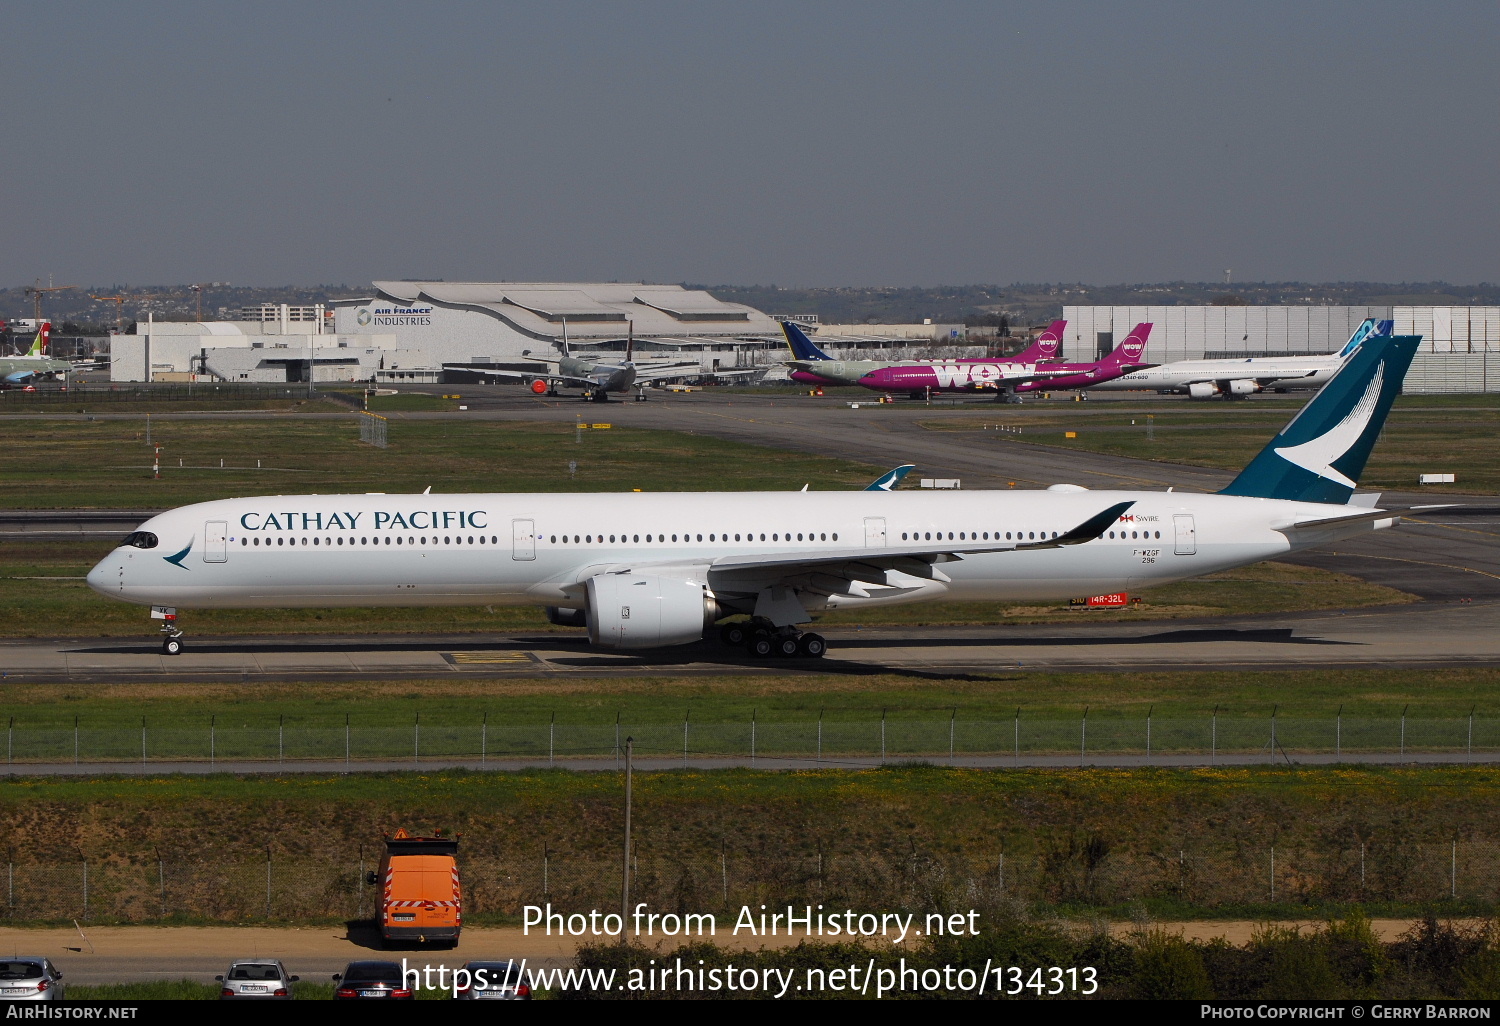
[
  {"x": 1244, "y": 386},
  {"x": 1202, "y": 390},
  {"x": 645, "y": 611},
  {"x": 539, "y": 387}
]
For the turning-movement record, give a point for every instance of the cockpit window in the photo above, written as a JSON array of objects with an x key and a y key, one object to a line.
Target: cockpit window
[{"x": 140, "y": 540}]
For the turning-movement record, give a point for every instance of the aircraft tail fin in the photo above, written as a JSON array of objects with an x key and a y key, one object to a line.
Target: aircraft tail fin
[
  {"x": 802, "y": 347},
  {"x": 1130, "y": 350},
  {"x": 1371, "y": 328},
  {"x": 43, "y": 340},
  {"x": 1044, "y": 346},
  {"x": 888, "y": 482},
  {"x": 1319, "y": 456}
]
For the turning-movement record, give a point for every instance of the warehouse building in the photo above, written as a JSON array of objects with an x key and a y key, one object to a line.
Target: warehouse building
[
  {"x": 469, "y": 327},
  {"x": 1460, "y": 349}
]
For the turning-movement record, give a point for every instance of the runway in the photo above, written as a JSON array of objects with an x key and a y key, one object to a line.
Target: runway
[
  {"x": 1450, "y": 559},
  {"x": 1429, "y": 634}
]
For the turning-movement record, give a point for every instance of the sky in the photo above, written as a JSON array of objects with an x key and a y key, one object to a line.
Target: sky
[{"x": 815, "y": 143}]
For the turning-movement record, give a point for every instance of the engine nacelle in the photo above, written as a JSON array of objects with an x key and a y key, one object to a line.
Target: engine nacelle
[
  {"x": 567, "y": 617},
  {"x": 646, "y": 611},
  {"x": 1244, "y": 386},
  {"x": 1202, "y": 390}
]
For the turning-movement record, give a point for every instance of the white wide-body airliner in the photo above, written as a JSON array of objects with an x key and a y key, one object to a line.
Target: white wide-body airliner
[
  {"x": 647, "y": 570},
  {"x": 1204, "y": 379}
]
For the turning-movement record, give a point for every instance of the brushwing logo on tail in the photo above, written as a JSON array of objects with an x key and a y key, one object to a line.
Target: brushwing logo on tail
[{"x": 1318, "y": 454}]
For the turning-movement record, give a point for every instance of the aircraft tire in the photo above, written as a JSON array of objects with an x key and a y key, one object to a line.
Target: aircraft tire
[
  {"x": 760, "y": 647},
  {"x": 812, "y": 646},
  {"x": 786, "y": 647},
  {"x": 734, "y": 634},
  {"x": 171, "y": 646}
]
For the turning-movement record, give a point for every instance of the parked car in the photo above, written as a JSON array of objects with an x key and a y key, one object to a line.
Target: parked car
[
  {"x": 30, "y": 978},
  {"x": 257, "y": 978},
  {"x": 503, "y": 981},
  {"x": 371, "y": 979}
]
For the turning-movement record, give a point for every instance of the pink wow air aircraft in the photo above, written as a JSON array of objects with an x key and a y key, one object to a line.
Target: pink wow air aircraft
[
  {"x": 974, "y": 376},
  {"x": 811, "y": 366}
]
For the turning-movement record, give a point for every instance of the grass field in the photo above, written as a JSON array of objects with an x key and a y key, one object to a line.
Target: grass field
[
  {"x": 1421, "y": 436},
  {"x": 1424, "y": 694}
]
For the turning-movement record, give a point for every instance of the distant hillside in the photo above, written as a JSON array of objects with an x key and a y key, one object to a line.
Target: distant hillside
[{"x": 221, "y": 301}]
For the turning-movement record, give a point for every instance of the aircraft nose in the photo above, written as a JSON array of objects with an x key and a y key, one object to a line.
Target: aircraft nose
[{"x": 105, "y": 573}]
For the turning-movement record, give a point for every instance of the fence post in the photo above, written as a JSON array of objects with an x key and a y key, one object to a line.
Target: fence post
[
  {"x": 952, "y": 723},
  {"x": 882, "y": 735},
  {"x": 212, "y": 723},
  {"x": 724, "y": 874},
  {"x": 1453, "y": 873},
  {"x": 1273, "y": 872},
  {"x": 1018, "y": 737},
  {"x": 1361, "y": 865},
  {"x": 161, "y": 879},
  {"x": 1403, "y": 728},
  {"x": 268, "y": 881},
  {"x": 346, "y": 742},
  {"x": 1149, "y": 710},
  {"x": 546, "y": 859},
  {"x": 416, "y": 738},
  {"x": 617, "y": 751},
  {"x": 75, "y": 739},
  {"x": 551, "y": 736},
  {"x": 752, "y": 739},
  {"x": 1338, "y": 733},
  {"x": 1213, "y": 738},
  {"x": 280, "y": 742},
  {"x": 685, "y": 717},
  {"x": 143, "y": 744},
  {"x": 820, "y": 735},
  {"x": 1471, "y": 733},
  {"x": 10, "y": 736},
  {"x": 1274, "y": 710},
  {"x": 85, "y": 890},
  {"x": 1002, "y": 872},
  {"x": 1083, "y": 737},
  {"x": 360, "y": 884},
  {"x": 10, "y": 884},
  {"x": 484, "y": 737}
]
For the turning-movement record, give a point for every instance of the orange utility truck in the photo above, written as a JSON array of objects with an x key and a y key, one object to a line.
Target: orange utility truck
[{"x": 420, "y": 898}]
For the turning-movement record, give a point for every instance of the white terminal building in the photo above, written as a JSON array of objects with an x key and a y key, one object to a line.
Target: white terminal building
[{"x": 1460, "y": 349}]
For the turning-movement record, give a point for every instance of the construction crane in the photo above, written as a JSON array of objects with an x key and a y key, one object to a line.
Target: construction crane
[
  {"x": 38, "y": 290},
  {"x": 119, "y": 302},
  {"x": 198, "y": 288}
]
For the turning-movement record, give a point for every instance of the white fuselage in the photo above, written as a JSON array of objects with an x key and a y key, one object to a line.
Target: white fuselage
[
  {"x": 1269, "y": 371},
  {"x": 473, "y": 549}
]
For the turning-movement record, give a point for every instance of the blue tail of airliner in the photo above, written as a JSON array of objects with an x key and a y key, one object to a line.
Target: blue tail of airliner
[
  {"x": 1369, "y": 329},
  {"x": 802, "y": 347},
  {"x": 1319, "y": 456}
]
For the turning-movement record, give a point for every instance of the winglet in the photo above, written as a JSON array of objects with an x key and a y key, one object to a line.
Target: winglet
[
  {"x": 888, "y": 482},
  {"x": 802, "y": 347},
  {"x": 1091, "y": 529}
]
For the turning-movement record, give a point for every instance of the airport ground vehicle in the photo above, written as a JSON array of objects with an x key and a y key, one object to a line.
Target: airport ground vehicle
[
  {"x": 371, "y": 980},
  {"x": 504, "y": 980},
  {"x": 421, "y": 897},
  {"x": 256, "y": 979},
  {"x": 30, "y": 978}
]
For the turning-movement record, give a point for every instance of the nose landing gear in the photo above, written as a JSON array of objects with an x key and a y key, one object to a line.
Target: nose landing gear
[
  {"x": 171, "y": 634},
  {"x": 764, "y": 640}
]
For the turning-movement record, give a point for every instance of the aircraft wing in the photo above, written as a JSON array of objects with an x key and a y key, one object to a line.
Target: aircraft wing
[
  {"x": 684, "y": 370},
  {"x": 548, "y": 376},
  {"x": 916, "y": 559},
  {"x": 1260, "y": 379}
]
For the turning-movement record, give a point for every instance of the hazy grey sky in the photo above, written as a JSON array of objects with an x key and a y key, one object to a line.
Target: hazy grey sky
[{"x": 812, "y": 143}]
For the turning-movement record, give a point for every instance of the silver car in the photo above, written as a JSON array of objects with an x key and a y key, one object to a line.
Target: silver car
[
  {"x": 503, "y": 980},
  {"x": 256, "y": 978},
  {"x": 30, "y": 978}
]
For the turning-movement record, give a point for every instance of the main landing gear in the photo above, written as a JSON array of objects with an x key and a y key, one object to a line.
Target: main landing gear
[{"x": 764, "y": 640}]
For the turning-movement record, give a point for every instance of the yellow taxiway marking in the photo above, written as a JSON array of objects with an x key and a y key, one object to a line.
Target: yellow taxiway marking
[{"x": 491, "y": 657}]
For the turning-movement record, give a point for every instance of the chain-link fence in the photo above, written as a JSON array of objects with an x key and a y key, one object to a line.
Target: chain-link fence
[
  {"x": 271, "y": 889},
  {"x": 893, "y": 739}
]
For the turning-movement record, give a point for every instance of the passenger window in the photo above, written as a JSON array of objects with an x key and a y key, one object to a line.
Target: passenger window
[
  {"x": 903, "y": 536},
  {"x": 736, "y": 537},
  {"x": 799, "y": 535},
  {"x": 835, "y": 536},
  {"x": 822, "y": 537}
]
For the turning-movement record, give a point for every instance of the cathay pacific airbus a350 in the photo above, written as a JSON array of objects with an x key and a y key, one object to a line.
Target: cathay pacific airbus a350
[{"x": 648, "y": 570}]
